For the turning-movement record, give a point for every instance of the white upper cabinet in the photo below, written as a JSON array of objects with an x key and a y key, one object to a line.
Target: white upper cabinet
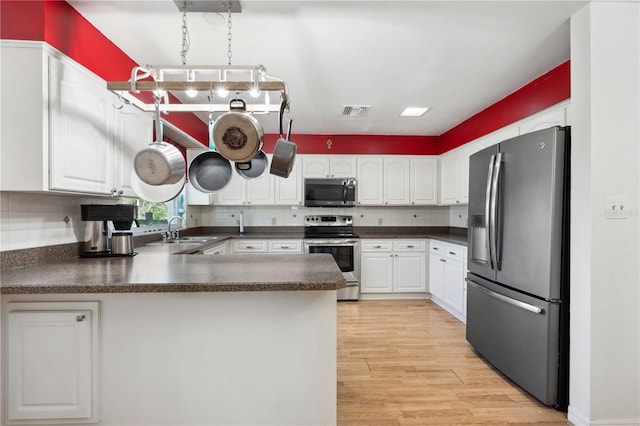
[
  {"x": 76, "y": 134},
  {"x": 554, "y": 116},
  {"x": 329, "y": 166},
  {"x": 424, "y": 180},
  {"x": 241, "y": 191},
  {"x": 454, "y": 173},
  {"x": 289, "y": 190},
  {"x": 370, "y": 180},
  {"x": 396, "y": 180}
]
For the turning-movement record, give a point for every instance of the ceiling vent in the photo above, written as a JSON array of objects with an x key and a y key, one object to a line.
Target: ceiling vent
[{"x": 355, "y": 111}]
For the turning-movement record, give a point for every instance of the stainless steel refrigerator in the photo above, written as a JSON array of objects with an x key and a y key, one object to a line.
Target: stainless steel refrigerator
[{"x": 518, "y": 261}]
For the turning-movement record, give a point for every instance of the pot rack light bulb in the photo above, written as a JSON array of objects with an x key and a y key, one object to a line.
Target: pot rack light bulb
[
  {"x": 192, "y": 93},
  {"x": 223, "y": 93},
  {"x": 254, "y": 92}
]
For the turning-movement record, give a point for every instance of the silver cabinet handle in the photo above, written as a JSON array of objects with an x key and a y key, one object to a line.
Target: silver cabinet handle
[
  {"x": 80, "y": 318},
  {"x": 435, "y": 248},
  {"x": 443, "y": 260},
  {"x": 409, "y": 246},
  {"x": 452, "y": 253},
  {"x": 377, "y": 246},
  {"x": 284, "y": 247},
  {"x": 513, "y": 302}
]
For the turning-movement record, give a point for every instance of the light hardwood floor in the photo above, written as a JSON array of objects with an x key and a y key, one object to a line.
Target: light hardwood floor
[{"x": 406, "y": 362}]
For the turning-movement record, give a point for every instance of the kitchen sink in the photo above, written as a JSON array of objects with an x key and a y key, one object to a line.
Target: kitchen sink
[{"x": 191, "y": 240}]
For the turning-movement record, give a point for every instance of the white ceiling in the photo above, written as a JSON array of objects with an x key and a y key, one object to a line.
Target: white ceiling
[{"x": 456, "y": 57}]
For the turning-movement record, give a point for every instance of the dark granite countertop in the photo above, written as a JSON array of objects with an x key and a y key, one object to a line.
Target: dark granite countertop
[
  {"x": 151, "y": 273},
  {"x": 446, "y": 234}
]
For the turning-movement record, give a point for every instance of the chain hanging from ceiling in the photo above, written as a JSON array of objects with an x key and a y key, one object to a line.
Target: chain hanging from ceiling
[{"x": 193, "y": 79}]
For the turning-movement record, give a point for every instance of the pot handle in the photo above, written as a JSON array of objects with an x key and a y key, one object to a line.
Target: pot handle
[
  {"x": 283, "y": 105},
  {"x": 156, "y": 103},
  {"x": 233, "y": 105},
  {"x": 211, "y": 145},
  {"x": 289, "y": 130}
]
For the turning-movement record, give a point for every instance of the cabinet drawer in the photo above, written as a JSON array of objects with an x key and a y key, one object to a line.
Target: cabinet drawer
[
  {"x": 218, "y": 249},
  {"x": 285, "y": 246},
  {"x": 250, "y": 246},
  {"x": 455, "y": 252},
  {"x": 410, "y": 245},
  {"x": 376, "y": 245},
  {"x": 437, "y": 247}
]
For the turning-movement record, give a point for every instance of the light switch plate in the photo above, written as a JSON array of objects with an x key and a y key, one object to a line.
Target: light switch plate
[{"x": 617, "y": 207}]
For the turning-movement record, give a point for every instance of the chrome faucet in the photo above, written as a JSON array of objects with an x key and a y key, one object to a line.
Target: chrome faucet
[
  {"x": 173, "y": 234},
  {"x": 241, "y": 223}
]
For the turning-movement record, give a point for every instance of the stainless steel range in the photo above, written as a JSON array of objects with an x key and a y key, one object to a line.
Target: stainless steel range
[{"x": 334, "y": 235}]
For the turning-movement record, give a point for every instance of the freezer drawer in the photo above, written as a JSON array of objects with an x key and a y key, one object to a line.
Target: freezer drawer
[{"x": 517, "y": 334}]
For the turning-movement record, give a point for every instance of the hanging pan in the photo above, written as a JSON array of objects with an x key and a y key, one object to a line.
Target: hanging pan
[
  {"x": 237, "y": 134},
  {"x": 159, "y": 163},
  {"x": 284, "y": 154},
  {"x": 209, "y": 171},
  {"x": 155, "y": 193},
  {"x": 253, "y": 168}
]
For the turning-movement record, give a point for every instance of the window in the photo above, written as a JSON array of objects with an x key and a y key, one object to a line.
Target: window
[{"x": 155, "y": 216}]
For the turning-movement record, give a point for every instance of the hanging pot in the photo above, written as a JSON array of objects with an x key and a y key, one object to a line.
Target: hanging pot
[
  {"x": 253, "y": 168},
  {"x": 159, "y": 163},
  {"x": 237, "y": 134},
  {"x": 209, "y": 171},
  {"x": 284, "y": 154},
  {"x": 155, "y": 193}
]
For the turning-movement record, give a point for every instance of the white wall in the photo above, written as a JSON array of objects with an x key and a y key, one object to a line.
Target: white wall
[{"x": 605, "y": 305}]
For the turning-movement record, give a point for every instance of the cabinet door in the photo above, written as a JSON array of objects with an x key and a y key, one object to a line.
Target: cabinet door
[
  {"x": 234, "y": 194},
  {"x": 218, "y": 249},
  {"x": 463, "y": 169},
  {"x": 133, "y": 131},
  {"x": 410, "y": 272},
  {"x": 285, "y": 246},
  {"x": 315, "y": 166},
  {"x": 436, "y": 275},
  {"x": 81, "y": 157},
  {"x": 261, "y": 190},
  {"x": 454, "y": 285},
  {"x": 448, "y": 178},
  {"x": 396, "y": 180},
  {"x": 424, "y": 180},
  {"x": 343, "y": 166},
  {"x": 376, "y": 272},
  {"x": 370, "y": 181},
  {"x": 554, "y": 117},
  {"x": 52, "y": 363},
  {"x": 289, "y": 190}
]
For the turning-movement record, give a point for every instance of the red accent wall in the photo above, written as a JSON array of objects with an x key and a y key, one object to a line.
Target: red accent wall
[
  {"x": 60, "y": 25},
  {"x": 358, "y": 144},
  {"x": 543, "y": 92}
]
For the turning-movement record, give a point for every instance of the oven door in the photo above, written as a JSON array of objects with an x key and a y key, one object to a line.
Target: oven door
[{"x": 346, "y": 253}]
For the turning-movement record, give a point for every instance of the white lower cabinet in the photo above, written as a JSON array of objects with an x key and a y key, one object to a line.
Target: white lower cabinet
[
  {"x": 447, "y": 286},
  {"x": 393, "y": 266},
  {"x": 52, "y": 363},
  {"x": 218, "y": 249}
]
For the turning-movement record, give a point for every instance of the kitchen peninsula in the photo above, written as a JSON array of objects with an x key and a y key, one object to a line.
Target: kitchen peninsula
[{"x": 175, "y": 339}]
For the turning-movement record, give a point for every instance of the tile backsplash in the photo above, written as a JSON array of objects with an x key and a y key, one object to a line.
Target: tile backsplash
[
  {"x": 37, "y": 220},
  {"x": 288, "y": 216}
]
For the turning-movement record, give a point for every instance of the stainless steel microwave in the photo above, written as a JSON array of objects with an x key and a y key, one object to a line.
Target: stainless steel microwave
[{"x": 330, "y": 192}]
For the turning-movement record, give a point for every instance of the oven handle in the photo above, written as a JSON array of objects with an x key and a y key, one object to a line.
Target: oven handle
[{"x": 340, "y": 242}]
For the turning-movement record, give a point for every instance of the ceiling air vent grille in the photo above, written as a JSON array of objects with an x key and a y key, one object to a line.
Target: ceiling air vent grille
[{"x": 355, "y": 111}]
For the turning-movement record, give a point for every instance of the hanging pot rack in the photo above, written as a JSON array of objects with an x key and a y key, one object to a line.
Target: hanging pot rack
[{"x": 207, "y": 81}]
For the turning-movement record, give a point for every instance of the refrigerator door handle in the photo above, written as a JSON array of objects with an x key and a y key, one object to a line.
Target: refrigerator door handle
[
  {"x": 493, "y": 234},
  {"x": 514, "y": 302},
  {"x": 487, "y": 211}
]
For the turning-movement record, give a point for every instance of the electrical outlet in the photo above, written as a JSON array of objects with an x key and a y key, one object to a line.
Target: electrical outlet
[
  {"x": 379, "y": 221},
  {"x": 617, "y": 207},
  {"x": 273, "y": 220}
]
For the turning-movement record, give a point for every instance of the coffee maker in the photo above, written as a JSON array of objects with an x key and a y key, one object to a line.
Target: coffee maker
[{"x": 105, "y": 222}]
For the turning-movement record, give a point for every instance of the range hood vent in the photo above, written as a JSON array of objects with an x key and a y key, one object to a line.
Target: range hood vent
[{"x": 355, "y": 111}]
